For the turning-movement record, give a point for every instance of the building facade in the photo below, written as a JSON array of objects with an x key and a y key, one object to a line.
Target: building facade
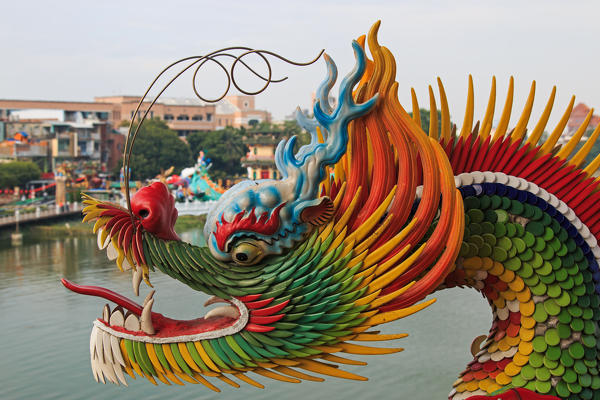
[
  {"x": 578, "y": 115},
  {"x": 260, "y": 159},
  {"x": 63, "y": 130}
]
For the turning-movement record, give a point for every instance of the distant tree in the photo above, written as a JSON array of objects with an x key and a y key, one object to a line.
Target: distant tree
[
  {"x": 425, "y": 117},
  {"x": 224, "y": 147},
  {"x": 18, "y": 173},
  {"x": 291, "y": 128},
  {"x": 157, "y": 148}
]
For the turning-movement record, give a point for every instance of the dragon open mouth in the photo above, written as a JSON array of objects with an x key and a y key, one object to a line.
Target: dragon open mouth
[{"x": 129, "y": 320}]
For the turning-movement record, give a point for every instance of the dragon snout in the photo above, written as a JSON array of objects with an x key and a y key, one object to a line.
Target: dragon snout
[{"x": 155, "y": 208}]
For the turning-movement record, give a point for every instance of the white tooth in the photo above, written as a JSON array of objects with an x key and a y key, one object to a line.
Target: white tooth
[
  {"x": 99, "y": 345},
  {"x": 116, "y": 350},
  {"x": 148, "y": 297},
  {"x": 111, "y": 252},
  {"x": 119, "y": 373},
  {"x": 132, "y": 323},
  {"x": 146, "y": 318},
  {"x": 125, "y": 265},
  {"x": 93, "y": 342},
  {"x": 107, "y": 347},
  {"x": 106, "y": 313},
  {"x": 117, "y": 318},
  {"x": 225, "y": 311},
  {"x": 109, "y": 372},
  {"x": 136, "y": 279},
  {"x": 97, "y": 369},
  {"x": 213, "y": 300}
]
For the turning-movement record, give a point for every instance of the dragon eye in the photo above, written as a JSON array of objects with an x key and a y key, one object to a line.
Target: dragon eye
[{"x": 246, "y": 253}]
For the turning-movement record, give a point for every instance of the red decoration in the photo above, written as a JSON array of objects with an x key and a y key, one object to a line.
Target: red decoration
[
  {"x": 265, "y": 225},
  {"x": 515, "y": 394},
  {"x": 155, "y": 208}
]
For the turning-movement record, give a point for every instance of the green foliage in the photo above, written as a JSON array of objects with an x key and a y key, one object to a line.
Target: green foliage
[
  {"x": 157, "y": 148},
  {"x": 17, "y": 173},
  {"x": 224, "y": 147},
  {"x": 291, "y": 128}
]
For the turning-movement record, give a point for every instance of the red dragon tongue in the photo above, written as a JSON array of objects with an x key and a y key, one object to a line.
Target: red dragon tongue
[
  {"x": 105, "y": 294},
  {"x": 155, "y": 207}
]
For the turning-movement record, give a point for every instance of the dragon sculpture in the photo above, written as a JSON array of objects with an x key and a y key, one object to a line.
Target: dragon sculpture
[{"x": 368, "y": 219}]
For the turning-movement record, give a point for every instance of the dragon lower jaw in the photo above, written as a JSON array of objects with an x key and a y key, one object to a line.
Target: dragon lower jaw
[{"x": 129, "y": 320}]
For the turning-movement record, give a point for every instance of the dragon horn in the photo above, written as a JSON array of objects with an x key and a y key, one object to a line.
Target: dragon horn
[{"x": 307, "y": 167}]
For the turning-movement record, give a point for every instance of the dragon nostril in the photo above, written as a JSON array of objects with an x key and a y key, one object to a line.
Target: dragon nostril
[
  {"x": 241, "y": 257},
  {"x": 144, "y": 213}
]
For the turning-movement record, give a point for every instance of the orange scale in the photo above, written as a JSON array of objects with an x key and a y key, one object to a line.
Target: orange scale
[
  {"x": 509, "y": 295},
  {"x": 480, "y": 375},
  {"x": 494, "y": 374},
  {"x": 513, "y": 330},
  {"x": 468, "y": 377},
  {"x": 499, "y": 335}
]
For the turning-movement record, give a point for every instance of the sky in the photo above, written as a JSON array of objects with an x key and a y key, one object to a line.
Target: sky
[{"x": 76, "y": 50}]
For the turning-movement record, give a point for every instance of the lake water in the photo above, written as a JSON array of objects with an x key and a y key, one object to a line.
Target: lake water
[{"x": 44, "y": 335}]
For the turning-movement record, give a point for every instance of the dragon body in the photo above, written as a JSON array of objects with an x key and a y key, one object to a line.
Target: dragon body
[{"x": 368, "y": 219}]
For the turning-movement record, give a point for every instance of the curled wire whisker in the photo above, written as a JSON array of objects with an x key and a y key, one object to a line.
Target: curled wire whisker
[
  {"x": 199, "y": 62},
  {"x": 268, "y": 80}
]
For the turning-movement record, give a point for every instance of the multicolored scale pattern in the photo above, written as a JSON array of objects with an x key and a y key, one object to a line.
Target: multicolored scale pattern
[
  {"x": 541, "y": 280},
  {"x": 414, "y": 213}
]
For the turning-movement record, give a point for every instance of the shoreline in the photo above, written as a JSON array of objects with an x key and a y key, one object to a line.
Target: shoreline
[{"x": 74, "y": 226}]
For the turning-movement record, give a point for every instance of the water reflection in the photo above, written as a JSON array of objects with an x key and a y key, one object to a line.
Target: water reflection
[{"x": 45, "y": 334}]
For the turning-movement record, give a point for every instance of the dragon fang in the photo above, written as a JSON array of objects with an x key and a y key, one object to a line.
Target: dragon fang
[{"x": 370, "y": 218}]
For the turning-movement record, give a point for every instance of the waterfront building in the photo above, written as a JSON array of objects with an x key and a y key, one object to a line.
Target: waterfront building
[
  {"x": 71, "y": 130},
  {"x": 260, "y": 159}
]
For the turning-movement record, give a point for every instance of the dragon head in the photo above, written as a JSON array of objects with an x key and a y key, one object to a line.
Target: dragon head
[
  {"x": 255, "y": 219},
  {"x": 303, "y": 265}
]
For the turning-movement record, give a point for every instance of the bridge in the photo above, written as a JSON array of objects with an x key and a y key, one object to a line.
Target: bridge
[{"x": 39, "y": 215}]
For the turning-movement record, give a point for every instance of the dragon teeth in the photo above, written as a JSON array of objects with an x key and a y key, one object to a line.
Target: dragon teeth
[
  {"x": 146, "y": 318},
  {"x": 107, "y": 347},
  {"x": 132, "y": 323},
  {"x": 117, "y": 356},
  {"x": 136, "y": 280},
  {"x": 149, "y": 296},
  {"x": 106, "y": 313},
  {"x": 99, "y": 345},
  {"x": 106, "y": 358},
  {"x": 214, "y": 300},
  {"x": 117, "y": 318},
  {"x": 225, "y": 311},
  {"x": 129, "y": 321}
]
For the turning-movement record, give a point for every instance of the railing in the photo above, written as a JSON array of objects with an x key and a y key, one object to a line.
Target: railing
[{"x": 38, "y": 214}]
